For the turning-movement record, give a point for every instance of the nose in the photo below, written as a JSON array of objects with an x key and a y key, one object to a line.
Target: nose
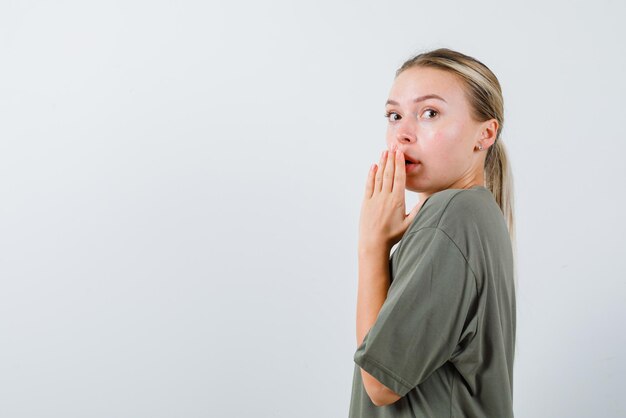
[{"x": 405, "y": 134}]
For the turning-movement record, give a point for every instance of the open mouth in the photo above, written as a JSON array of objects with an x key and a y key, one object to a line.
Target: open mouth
[{"x": 411, "y": 165}]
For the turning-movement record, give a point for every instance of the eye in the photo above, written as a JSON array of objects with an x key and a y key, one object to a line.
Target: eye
[
  {"x": 432, "y": 110},
  {"x": 387, "y": 114},
  {"x": 433, "y": 113}
]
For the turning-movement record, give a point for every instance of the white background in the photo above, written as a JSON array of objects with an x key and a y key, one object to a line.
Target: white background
[{"x": 181, "y": 183}]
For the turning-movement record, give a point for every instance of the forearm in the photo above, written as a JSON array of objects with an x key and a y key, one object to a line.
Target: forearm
[{"x": 374, "y": 282}]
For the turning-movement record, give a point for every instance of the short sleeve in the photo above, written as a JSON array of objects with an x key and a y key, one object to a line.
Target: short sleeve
[{"x": 421, "y": 321}]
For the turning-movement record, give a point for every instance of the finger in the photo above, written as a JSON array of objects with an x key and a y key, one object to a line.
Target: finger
[
  {"x": 399, "y": 180},
  {"x": 409, "y": 219},
  {"x": 379, "y": 173},
  {"x": 369, "y": 184},
  {"x": 390, "y": 167}
]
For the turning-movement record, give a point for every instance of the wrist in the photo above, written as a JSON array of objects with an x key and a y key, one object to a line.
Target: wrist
[{"x": 373, "y": 249}]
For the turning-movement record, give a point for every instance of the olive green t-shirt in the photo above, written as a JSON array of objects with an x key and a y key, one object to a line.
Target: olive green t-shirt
[{"x": 444, "y": 338}]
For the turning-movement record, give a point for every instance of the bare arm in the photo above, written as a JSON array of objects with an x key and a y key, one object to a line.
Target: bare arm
[{"x": 374, "y": 282}]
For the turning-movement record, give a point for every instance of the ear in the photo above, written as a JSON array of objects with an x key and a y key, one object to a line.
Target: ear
[{"x": 487, "y": 134}]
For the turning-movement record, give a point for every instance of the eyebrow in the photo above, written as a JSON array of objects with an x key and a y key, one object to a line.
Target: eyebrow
[{"x": 418, "y": 99}]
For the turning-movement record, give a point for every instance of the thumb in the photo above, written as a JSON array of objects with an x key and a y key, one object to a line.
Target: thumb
[{"x": 409, "y": 218}]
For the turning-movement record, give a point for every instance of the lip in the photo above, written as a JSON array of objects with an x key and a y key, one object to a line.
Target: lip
[
  {"x": 408, "y": 157},
  {"x": 411, "y": 167}
]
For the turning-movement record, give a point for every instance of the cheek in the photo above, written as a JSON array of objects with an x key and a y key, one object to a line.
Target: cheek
[
  {"x": 441, "y": 146},
  {"x": 440, "y": 137},
  {"x": 447, "y": 141},
  {"x": 449, "y": 134}
]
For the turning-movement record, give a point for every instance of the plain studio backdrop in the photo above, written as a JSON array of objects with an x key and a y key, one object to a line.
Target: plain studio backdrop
[{"x": 181, "y": 185}]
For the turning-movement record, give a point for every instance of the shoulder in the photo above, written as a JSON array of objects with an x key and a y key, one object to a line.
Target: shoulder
[
  {"x": 449, "y": 207},
  {"x": 468, "y": 222},
  {"x": 468, "y": 205}
]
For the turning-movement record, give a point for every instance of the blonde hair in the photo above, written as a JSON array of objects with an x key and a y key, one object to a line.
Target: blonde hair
[{"x": 484, "y": 95}]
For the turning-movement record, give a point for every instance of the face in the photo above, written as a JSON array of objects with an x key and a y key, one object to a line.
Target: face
[{"x": 438, "y": 134}]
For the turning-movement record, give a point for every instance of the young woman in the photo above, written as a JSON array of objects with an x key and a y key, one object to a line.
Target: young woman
[{"x": 436, "y": 320}]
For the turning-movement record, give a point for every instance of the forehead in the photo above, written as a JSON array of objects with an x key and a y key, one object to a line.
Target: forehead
[{"x": 418, "y": 81}]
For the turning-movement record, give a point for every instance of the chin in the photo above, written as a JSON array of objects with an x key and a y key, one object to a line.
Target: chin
[{"x": 414, "y": 187}]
